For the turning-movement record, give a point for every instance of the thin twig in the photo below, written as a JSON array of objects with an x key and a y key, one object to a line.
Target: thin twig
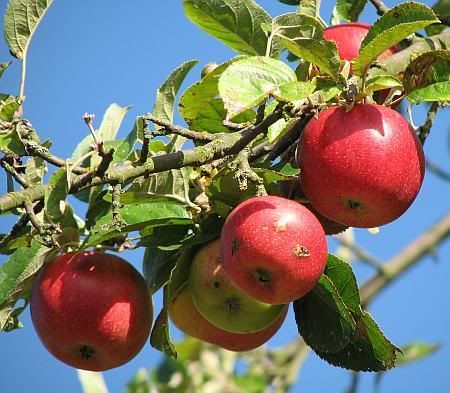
[
  {"x": 425, "y": 128},
  {"x": 89, "y": 120},
  {"x": 379, "y": 5},
  {"x": 438, "y": 171},
  {"x": 117, "y": 219},
  {"x": 32, "y": 216},
  {"x": 405, "y": 259},
  {"x": 167, "y": 129},
  {"x": 9, "y": 168},
  {"x": 361, "y": 254},
  {"x": 145, "y": 150}
]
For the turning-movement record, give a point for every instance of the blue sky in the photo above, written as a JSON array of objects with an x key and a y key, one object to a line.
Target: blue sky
[{"x": 89, "y": 54}]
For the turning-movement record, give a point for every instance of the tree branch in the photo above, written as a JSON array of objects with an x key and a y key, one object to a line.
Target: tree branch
[
  {"x": 222, "y": 146},
  {"x": 379, "y": 5},
  {"x": 405, "y": 259},
  {"x": 167, "y": 129}
]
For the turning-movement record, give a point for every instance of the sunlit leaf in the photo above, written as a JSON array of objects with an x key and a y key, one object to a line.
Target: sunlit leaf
[
  {"x": 237, "y": 23},
  {"x": 21, "y": 20},
  {"x": 395, "y": 25}
]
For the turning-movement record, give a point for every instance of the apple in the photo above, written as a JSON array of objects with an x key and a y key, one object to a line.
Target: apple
[
  {"x": 273, "y": 249},
  {"x": 291, "y": 189},
  {"x": 186, "y": 317},
  {"x": 362, "y": 168},
  {"x": 91, "y": 310},
  {"x": 348, "y": 38},
  {"x": 222, "y": 303}
]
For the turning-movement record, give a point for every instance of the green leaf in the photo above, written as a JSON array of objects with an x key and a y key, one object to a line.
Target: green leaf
[
  {"x": 157, "y": 267},
  {"x": 126, "y": 146},
  {"x": 294, "y": 25},
  {"x": 248, "y": 82},
  {"x": 36, "y": 167},
  {"x": 10, "y": 142},
  {"x": 236, "y": 23},
  {"x": 250, "y": 383},
  {"x": 180, "y": 274},
  {"x": 21, "y": 21},
  {"x": 3, "y": 67},
  {"x": 427, "y": 78},
  {"x": 395, "y": 25},
  {"x": 165, "y": 96},
  {"x": 442, "y": 9},
  {"x": 202, "y": 110},
  {"x": 8, "y": 106},
  {"x": 382, "y": 82},
  {"x": 21, "y": 238},
  {"x": 160, "y": 336},
  {"x": 171, "y": 186},
  {"x": 92, "y": 382},
  {"x": 136, "y": 217},
  {"x": 316, "y": 51},
  {"x": 326, "y": 89},
  {"x": 55, "y": 193},
  {"x": 323, "y": 320},
  {"x": 16, "y": 279},
  {"x": 309, "y": 7},
  {"x": 294, "y": 91},
  {"x": 344, "y": 280},
  {"x": 369, "y": 349},
  {"x": 350, "y": 9},
  {"x": 415, "y": 351},
  {"x": 225, "y": 193}
]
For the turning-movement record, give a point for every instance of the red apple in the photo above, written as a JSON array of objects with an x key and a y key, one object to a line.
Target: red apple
[
  {"x": 274, "y": 249},
  {"x": 222, "y": 303},
  {"x": 362, "y": 168},
  {"x": 91, "y": 310},
  {"x": 185, "y": 316},
  {"x": 348, "y": 38},
  {"x": 291, "y": 189}
]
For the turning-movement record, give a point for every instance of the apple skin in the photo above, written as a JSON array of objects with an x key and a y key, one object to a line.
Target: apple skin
[
  {"x": 186, "y": 317},
  {"x": 274, "y": 249},
  {"x": 362, "y": 168},
  {"x": 222, "y": 303},
  {"x": 348, "y": 38},
  {"x": 91, "y": 310},
  {"x": 291, "y": 189}
]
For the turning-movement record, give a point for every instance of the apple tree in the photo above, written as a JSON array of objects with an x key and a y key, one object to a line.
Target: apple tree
[{"x": 306, "y": 112}]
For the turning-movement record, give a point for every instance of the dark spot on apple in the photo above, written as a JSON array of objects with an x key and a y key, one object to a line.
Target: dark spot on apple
[
  {"x": 235, "y": 244},
  {"x": 86, "y": 351},
  {"x": 396, "y": 14},
  {"x": 263, "y": 276},
  {"x": 353, "y": 204},
  {"x": 216, "y": 284},
  {"x": 232, "y": 304},
  {"x": 300, "y": 251}
]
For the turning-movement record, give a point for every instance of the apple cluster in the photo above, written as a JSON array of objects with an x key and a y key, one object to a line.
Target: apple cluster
[{"x": 359, "y": 167}]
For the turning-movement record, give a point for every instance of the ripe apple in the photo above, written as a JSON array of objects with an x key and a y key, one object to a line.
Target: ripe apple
[
  {"x": 362, "y": 168},
  {"x": 222, "y": 303},
  {"x": 186, "y": 317},
  {"x": 274, "y": 249},
  {"x": 291, "y": 189},
  {"x": 348, "y": 38},
  {"x": 91, "y": 310}
]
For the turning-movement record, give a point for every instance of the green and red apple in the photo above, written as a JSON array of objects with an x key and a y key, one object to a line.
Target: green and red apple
[{"x": 222, "y": 303}]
